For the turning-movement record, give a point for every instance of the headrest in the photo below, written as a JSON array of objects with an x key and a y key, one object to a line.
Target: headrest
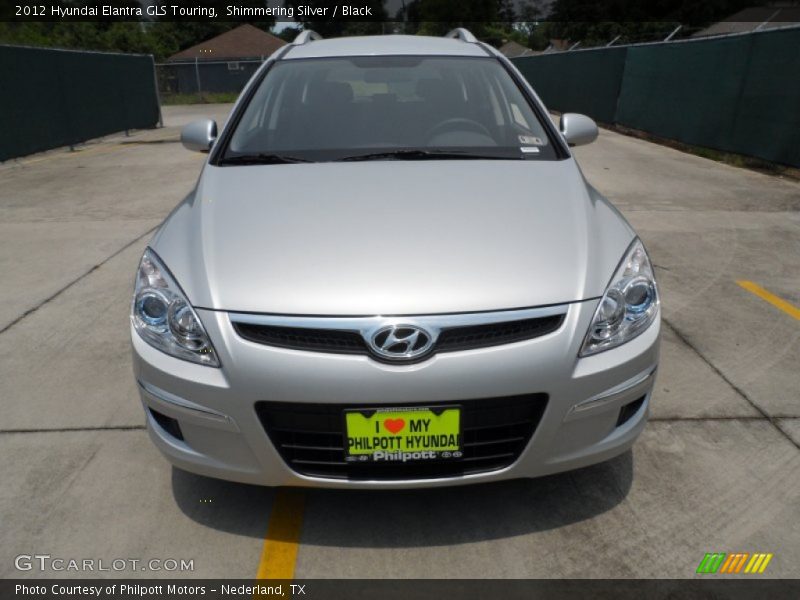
[
  {"x": 436, "y": 90},
  {"x": 324, "y": 92}
]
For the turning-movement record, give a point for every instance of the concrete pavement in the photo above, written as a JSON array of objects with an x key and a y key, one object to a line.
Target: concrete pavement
[{"x": 717, "y": 469}]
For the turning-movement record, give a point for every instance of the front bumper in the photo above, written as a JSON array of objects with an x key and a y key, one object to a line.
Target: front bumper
[{"x": 222, "y": 436}]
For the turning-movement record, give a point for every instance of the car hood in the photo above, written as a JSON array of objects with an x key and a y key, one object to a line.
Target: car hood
[{"x": 392, "y": 237}]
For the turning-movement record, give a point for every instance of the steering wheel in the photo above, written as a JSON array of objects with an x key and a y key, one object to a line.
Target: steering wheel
[{"x": 457, "y": 124}]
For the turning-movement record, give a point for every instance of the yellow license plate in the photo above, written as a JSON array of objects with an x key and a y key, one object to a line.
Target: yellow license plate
[{"x": 403, "y": 434}]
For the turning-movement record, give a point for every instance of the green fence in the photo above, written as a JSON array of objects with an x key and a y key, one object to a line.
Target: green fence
[
  {"x": 737, "y": 94},
  {"x": 584, "y": 82},
  {"x": 52, "y": 98}
]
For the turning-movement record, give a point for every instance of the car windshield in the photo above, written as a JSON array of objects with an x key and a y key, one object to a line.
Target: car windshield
[{"x": 385, "y": 108}]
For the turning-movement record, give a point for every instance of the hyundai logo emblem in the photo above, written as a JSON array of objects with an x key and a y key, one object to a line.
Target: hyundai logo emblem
[{"x": 400, "y": 342}]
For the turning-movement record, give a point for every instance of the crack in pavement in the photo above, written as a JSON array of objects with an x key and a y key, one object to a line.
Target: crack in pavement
[
  {"x": 77, "y": 429},
  {"x": 55, "y": 295},
  {"x": 722, "y": 418},
  {"x": 764, "y": 414},
  {"x": 157, "y": 141}
]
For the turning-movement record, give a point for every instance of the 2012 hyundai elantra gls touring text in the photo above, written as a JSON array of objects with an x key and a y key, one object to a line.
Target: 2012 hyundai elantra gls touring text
[{"x": 392, "y": 273}]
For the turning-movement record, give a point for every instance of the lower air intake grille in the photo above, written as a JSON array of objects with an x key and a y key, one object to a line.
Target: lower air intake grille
[
  {"x": 630, "y": 409},
  {"x": 310, "y": 438}
]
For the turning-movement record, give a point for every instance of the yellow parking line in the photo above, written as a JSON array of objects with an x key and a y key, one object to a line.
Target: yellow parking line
[
  {"x": 281, "y": 543},
  {"x": 777, "y": 302}
]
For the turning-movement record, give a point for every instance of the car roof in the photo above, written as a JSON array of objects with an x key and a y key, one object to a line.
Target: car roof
[{"x": 385, "y": 45}]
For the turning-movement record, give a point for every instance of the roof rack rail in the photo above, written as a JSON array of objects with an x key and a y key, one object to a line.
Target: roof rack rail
[
  {"x": 306, "y": 36},
  {"x": 462, "y": 34}
]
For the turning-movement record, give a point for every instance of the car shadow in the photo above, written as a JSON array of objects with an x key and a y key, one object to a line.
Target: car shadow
[{"x": 414, "y": 518}]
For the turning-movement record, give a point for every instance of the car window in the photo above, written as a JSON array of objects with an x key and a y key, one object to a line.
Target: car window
[{"x": 330, "y": 108}]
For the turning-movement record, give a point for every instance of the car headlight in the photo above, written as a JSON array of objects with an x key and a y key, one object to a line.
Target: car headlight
[
  {"x": 629, "y": 305},
  {"x": 163, "y": 317}
]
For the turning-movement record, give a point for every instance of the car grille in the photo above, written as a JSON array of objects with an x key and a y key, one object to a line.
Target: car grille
[
  {"x": 298, "y": 338},
  {"x": 495, "y": 334},
  {"x": 351, "y": 342},
  {"x": 310, "y": 438}
]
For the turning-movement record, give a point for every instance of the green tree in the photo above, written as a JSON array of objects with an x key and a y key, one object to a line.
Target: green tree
[
  {"x": 114, "y": 36},
  {"x": 287, "y": 34}
]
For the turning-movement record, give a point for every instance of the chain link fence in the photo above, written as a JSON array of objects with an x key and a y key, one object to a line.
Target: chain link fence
[{"x": 204, "y": 80}]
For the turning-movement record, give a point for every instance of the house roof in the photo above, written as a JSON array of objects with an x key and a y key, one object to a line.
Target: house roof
[
  {"x": 755, "y": 18},
  {"x": 513, "y": 50},
  {"x": 245, "y": 41}
]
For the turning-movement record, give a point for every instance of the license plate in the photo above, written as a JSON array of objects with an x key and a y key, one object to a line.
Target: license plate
[{"x": 403, "y": 434}]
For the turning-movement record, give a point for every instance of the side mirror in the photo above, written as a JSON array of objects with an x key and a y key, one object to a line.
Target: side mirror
[
  {"x": 578, "y": 129},
  {"x": 199, "y": 135}
]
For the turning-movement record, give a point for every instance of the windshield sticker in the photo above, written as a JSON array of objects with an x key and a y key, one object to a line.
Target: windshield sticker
[
  {"x": 526, "y": 149},
  {"x": 530, "y": 140}
]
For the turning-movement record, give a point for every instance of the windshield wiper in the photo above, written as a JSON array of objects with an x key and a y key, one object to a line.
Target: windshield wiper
[
  {"x": 262, "y": 159},
  {"x": 426, "y": 155}
]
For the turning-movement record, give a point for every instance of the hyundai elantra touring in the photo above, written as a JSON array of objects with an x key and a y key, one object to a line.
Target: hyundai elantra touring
[{"x": 392, "y": 273}]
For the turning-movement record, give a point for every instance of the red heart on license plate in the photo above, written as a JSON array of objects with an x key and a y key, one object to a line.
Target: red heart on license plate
[{"x": 394, "y": 425}]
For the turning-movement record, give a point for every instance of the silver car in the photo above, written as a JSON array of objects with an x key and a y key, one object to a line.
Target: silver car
[{"x": 391, "y": 273}]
